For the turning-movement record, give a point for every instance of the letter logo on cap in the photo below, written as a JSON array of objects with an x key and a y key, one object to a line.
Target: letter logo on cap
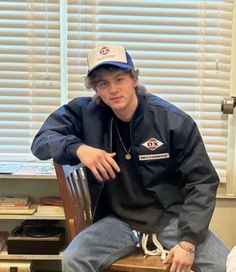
[{"x": 104, "y": 50}]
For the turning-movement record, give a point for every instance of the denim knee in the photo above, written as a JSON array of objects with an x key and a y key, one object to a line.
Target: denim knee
[
  {"x": 212, "y": 256},
  {"x": 68, "y": 261},
  {"x": 75, "y": 260}
]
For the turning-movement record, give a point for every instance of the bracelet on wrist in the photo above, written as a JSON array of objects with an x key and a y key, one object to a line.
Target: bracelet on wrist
[{"x": 188, "y": 249}]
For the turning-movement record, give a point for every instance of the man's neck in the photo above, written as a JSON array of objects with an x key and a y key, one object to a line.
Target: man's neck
[{"x": 127, "y": 115}]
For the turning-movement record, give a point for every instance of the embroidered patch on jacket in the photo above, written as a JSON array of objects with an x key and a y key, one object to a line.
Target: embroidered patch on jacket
[
  {"x": 154, "y": 156},
  {"x": 152, "y": 144}
]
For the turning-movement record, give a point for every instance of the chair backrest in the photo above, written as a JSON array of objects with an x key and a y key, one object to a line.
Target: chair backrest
[{"x": 75, "y": 195}]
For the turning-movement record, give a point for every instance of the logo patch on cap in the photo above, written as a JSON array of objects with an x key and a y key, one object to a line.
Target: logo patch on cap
[
  {"x": 104, "y": 50},
  {"x": 152, "y": 144}
]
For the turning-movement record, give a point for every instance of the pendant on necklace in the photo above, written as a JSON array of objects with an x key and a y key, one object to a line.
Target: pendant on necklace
[{"x": 128, "y": 156}]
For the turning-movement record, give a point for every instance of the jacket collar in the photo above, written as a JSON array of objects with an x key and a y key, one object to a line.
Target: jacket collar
[{"x": 138, "y": 114}]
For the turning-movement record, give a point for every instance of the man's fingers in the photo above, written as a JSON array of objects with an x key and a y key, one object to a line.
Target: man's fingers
[
  {"x": 109, "y": 169},
  {"x": 100, "y": 162},
  {"x": 103, "y": 171},
  {"x": 168, "y": 258},
  {"x": 112, "y": 154},
  {"x": 173, "y": 268},
  {"x": 112, "y": 162},
  {"x": 96, "y": 174}
]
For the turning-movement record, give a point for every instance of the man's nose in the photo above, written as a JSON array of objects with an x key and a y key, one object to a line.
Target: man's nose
[{"x": 112, "y": 87}]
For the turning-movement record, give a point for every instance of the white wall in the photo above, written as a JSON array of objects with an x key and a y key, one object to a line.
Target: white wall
[{"x": 223, "y": 223}]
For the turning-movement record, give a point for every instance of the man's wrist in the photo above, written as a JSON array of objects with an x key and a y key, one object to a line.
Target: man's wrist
[
  {"x": 187, "y": 246},
  {"x": 78, "y": 150}
]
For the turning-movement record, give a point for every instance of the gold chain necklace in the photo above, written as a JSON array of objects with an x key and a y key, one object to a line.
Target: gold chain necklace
[{"x": 127, "y": 155}]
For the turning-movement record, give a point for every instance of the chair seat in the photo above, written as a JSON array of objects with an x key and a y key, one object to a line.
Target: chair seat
[
  {"x": 137, "y": 263},
  {"x": 74, "y": 190}
]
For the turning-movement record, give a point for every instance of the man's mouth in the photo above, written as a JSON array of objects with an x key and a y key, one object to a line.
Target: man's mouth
[{"x": 115, "y": 98}]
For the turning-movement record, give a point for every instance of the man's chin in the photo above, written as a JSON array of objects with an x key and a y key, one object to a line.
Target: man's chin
[
  {"x": 116, "y": 106},
  {"x": 117, "y": 109}
]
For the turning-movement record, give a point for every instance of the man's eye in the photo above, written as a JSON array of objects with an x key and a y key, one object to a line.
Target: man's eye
[
  {"x": 102, "y": 84},
  {"x": 119, "y": 79}
]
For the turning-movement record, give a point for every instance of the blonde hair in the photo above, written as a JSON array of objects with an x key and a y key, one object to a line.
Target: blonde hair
[{"x": 93, "y": 78}]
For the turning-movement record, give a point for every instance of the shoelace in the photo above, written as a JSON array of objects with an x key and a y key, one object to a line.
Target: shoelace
[{"x": 159, "y": 250}]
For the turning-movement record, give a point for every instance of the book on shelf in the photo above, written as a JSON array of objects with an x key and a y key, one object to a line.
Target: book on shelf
[
  {"x": 30, "y": 210},
  {"x": 3, "y": 239},
  {"x": 14, "y": 200},
  {"x": 15, "y": 266},
  {"x": 15, "y": 206},
  {"x": 14, "y": 203},
  {"x": 50, "y": 210},
  {"x": 51, "y": 200}
]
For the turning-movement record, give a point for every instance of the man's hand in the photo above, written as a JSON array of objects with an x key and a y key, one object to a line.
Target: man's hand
[
  {"x": 181, "y": 258},
  {"x": 100, "y": 162}
]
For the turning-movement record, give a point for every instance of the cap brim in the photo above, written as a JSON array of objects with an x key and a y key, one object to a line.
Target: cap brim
[{"x": 113, "y": 63}]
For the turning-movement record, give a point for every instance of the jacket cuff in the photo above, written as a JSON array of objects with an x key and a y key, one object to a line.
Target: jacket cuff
[
  {"x": 71, "y": 151},
  {"x": 191, "y": 239}
]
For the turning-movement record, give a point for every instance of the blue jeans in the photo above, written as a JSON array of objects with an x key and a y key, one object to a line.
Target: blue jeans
[{"x": 109, "y": 239}]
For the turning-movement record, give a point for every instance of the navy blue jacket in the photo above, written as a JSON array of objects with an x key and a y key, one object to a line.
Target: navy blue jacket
[{"x": 168, "y": 151}]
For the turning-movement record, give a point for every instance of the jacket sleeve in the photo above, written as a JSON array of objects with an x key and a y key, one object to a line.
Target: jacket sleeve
[
  {"x": 200, "y": 182},
  {"x": 60, "y": 136}
]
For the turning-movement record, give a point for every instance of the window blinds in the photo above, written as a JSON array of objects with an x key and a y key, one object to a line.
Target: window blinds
[
  {"x": 30, "y": 72},
  {"x": 182, "y": 49}
]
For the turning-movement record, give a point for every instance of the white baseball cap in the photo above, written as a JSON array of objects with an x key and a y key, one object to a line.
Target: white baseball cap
[{"x": 109, "y": 54}]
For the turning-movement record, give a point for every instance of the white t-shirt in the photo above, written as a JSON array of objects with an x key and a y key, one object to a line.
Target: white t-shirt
[{"x": 231, "y": 261}]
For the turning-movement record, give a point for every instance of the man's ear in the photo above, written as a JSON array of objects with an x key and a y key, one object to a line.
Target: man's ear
[{"x": 135, "y": 82}]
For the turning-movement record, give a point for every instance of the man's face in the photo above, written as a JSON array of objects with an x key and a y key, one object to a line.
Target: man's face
[{"x": 117, "y": 90}]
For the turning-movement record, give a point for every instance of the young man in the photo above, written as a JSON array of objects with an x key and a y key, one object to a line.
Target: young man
[{"x": 148, "y": 170}]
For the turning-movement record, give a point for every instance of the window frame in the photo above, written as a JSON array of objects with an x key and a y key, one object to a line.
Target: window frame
[{"x": 227, "y": 189}]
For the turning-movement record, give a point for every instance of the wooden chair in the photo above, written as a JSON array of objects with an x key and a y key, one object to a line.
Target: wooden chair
[{"x": 74, "y": 191}]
